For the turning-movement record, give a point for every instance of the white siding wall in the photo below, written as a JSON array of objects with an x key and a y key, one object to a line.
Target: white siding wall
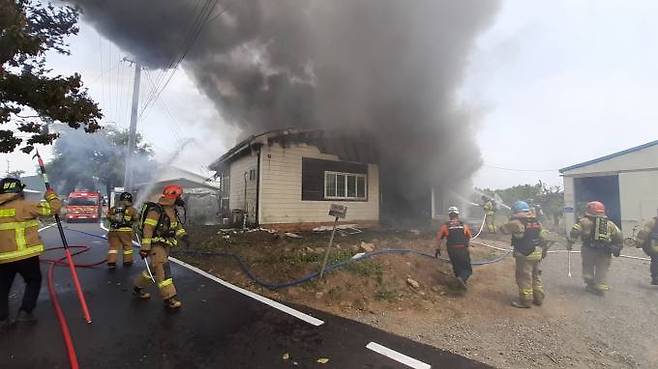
[
  {"x": 236, "y": 185},
  {"x": 638, "y": 197},
  {"x": 281, "y": 191}
]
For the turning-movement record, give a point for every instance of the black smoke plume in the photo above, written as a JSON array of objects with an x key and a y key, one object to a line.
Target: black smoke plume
[{"x": 389, "y": 68}]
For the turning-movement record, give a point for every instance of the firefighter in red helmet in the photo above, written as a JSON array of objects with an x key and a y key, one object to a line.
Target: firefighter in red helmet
[
  {"x": 601, "y": 238},
  {"x": 160, "y": 230}
]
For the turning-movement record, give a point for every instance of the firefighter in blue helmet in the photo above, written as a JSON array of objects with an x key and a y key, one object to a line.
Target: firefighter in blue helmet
[{"x": 528, "y": 241}]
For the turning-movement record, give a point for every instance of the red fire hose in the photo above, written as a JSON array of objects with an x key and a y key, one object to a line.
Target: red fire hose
[
  {"x": 74, "y": 274},
  {"x": 61, "y": 318}
]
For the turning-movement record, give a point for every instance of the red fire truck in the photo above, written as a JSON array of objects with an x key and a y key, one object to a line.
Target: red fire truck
[{"x": 83, "y": 206}]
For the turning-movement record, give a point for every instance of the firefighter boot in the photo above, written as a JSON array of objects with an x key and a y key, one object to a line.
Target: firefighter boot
[
  {"x": 593, "y": 290},
  {"x": 6, "y": 325},
  {"x": 520, "y": 304},
  {"x": 139, "y": 292},
  {"x": 25, "y": 317},
  {"x": 172, "y": 303}
]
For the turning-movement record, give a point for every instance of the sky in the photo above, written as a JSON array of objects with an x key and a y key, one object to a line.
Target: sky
[{"x": 553, "y": 83}]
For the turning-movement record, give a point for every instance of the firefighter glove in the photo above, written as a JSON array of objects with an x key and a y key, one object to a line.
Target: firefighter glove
[
  {"x": 144, "y": 253},
  {"x": 437, "y": 253},
  {"x": 615, "y": 250},
  {"x": 50, "y": 195}
]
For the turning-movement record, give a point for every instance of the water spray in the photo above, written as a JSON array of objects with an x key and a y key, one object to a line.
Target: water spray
[{"x": 146, "y": 190}]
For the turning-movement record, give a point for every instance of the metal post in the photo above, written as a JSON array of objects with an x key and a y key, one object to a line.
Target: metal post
[
  {"x": 128, "y": 173},
  {"x": 326, "y": 254}
]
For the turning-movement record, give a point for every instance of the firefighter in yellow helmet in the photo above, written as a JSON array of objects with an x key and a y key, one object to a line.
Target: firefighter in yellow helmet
[
  {"x": 600, "y": 237},
  {"x": 647, "y": 239},
  {"x": 120, "y": 237},
  {"x": 20, "y": 245},
  {"x": 528, "y": 241},
  {"x": 162, "y": 229},
  {"x": 489, "y": 208}
]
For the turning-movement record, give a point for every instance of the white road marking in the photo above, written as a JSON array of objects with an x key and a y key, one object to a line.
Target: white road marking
[
  {"x": 400, "y": 358},
  {"x": 46, "y": 227},
  {"x": 288, "y": 310}
]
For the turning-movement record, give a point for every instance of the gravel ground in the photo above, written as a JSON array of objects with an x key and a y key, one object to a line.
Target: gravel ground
[{"x": 573, "y": 329}]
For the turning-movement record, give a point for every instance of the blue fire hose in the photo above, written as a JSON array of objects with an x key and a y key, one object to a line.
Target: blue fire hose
[{"x": 309, "y": 277}]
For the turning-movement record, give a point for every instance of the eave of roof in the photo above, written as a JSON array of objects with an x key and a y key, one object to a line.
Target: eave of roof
[
  {"x": 246, "y": 143},
  {"x": 608, "y": 157}
]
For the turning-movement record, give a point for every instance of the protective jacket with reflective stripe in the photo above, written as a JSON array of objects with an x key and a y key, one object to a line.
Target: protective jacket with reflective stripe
[
  {"x": 122, "y": 218},
  {"x": 165, "y": 231},
  {"x": 19, "y": 236}
]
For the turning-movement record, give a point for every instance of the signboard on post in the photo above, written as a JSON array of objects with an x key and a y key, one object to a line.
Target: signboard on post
[{"x": 338, "y": 211}]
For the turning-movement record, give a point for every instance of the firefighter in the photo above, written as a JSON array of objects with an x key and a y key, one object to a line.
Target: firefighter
[
  {"x": 162, "y": 229},
  {"x": 647, "y": 239},
  {"x": 528, "y": 242},
  {"x": 120, "y": 237},
  {"x": 458, "y": 236},
  {"x": 20, "y": 245},
  {"x": 490, "y": 213},
  {"x": 600, "y": 237}
]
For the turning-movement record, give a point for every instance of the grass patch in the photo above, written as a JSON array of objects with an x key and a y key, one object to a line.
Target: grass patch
[
  {"x": 384, "y": 294},
  {"x": 368, "y": 269}
]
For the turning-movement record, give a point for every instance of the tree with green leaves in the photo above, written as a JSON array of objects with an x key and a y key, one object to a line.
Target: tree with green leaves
[
  {"x": 550, "y": 198},
  {"x": 97, "y": 161},
  {"x": 31, "y": 99}
]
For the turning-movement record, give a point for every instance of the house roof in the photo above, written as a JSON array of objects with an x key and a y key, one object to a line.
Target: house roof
[
  {"x": 608, "y": 157},
  {"x": 257, "y": 139},
  {"x": 185, "y": 178},
  {"x": 348, "y": 145},
  {"x": 34, "y": 183}
]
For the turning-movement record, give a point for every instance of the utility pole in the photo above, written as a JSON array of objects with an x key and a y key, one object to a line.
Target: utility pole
[{"x": 128, "y": 179}]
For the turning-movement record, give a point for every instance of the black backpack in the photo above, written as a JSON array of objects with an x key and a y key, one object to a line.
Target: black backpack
[{"x": 147, "y": 207}]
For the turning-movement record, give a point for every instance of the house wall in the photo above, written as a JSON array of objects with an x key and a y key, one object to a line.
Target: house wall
[
  {"x": 281, "y": 189},
  {"x": 639, "y": 198},
  {"x": 237, "y": 170}
]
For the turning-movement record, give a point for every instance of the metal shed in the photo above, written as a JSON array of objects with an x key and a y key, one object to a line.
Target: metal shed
[{"x": 626, "y": 182}]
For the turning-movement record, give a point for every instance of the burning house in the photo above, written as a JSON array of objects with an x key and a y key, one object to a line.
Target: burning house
[{"x": 288, "y": 178}]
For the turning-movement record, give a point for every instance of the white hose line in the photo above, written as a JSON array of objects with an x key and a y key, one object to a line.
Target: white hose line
[
  {"x": 481, "y": 227},
  {"x": 562, "y": 251}
]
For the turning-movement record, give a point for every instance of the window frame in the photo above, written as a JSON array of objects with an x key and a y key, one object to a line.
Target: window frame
[{"x": 345, "y": 183}]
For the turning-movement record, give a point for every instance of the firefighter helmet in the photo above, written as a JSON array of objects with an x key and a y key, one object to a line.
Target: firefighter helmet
[
  {"x": 172, "y": 192},
  {"x": 126, "y": 196},
  {"x": 595, "y": 208},
  {"x": 520, "y": 207},
  {"x": 453, "y": 210},
  {"x": 11, "y": 185}
]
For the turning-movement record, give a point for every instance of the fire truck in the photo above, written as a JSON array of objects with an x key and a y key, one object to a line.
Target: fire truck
[{"x": 83, "y": 206}]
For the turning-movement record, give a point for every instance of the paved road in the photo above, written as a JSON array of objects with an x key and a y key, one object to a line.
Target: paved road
[{"x": 217, "y": 327}]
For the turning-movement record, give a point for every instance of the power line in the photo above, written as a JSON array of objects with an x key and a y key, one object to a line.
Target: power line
[
  {"x": 201, "y": 21},
  {"x": 520, "y": 170}
]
